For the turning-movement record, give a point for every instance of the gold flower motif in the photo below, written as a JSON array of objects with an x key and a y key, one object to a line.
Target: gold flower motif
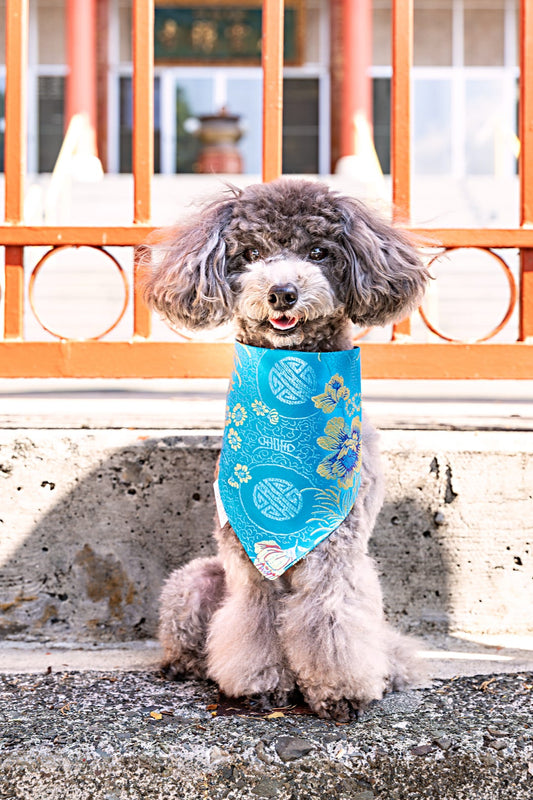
[
  {"x": 345, "y": 452},
  {"x": 260, "y": 408},
  {"x": 234, "y": 440},
  {"x": 334, "y": 392},
  {"x": 239, "y": 415},
  {"x": 353, "y": 406},
  {"x": 242, "y": 473}
]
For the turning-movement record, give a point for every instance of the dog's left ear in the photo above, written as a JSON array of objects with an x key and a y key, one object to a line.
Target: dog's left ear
[{"x": 383, "y": 279}]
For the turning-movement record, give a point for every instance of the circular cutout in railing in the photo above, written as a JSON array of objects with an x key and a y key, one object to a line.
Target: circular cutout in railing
[
  {"x": 473, "y": 297},
  {"x": 165, "y": 331},
  {"x": 78, "y": 292},
  {"x": 376, "y": 335}
]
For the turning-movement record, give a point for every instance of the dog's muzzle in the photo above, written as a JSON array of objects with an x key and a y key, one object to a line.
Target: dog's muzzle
[{"x": 281, "y": 298}]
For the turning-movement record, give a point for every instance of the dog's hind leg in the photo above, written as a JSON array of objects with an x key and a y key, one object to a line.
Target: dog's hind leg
[
  {"x": 405, "y": 668},
  {"x": 189, "y": 598}
]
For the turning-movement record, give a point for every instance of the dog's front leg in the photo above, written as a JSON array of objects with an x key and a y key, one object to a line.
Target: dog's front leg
[
  {"x": 243, "y": 648},
  {"x": 333, "y": 631}
]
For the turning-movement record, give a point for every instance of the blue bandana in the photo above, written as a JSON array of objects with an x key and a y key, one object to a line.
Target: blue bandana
[{"x": 291, "y": 453}]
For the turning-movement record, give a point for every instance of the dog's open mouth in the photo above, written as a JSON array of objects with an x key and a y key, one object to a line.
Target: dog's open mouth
[{"x": 284, "y": 324}]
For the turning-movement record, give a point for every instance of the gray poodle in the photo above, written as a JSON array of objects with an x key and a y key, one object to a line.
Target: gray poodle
[{"x": 294, "y": 265}]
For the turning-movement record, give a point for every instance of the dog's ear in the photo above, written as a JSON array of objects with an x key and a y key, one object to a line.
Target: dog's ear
[
  {"x": 184, "y": 275},
  {"x": 384, "y": 279}
]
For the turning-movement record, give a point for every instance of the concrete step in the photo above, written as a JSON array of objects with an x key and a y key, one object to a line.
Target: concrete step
[
  {"x": 93, "y": 520},
  {"x": 130, "y": 736}
]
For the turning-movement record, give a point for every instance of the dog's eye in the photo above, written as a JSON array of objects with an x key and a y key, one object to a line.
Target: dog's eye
[
  {"x": 252, "y": 254},
  {"x": 318, "y": 254}
]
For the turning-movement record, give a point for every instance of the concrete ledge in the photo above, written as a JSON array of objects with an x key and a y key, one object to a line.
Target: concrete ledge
[
  {"x": 441, "y": 656},
  {"x": 92, "y": 521},
  {"x": 130, "y": 736}
]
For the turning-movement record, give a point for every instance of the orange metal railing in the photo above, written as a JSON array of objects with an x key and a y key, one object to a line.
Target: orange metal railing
[{"x": 141, "y": 355}]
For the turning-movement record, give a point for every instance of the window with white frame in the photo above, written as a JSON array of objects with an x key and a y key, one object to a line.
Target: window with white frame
[
  {"x": 464, "y": 91},
  {"x": 184, "y": 92},
  {"x": 464, "y": 81}
]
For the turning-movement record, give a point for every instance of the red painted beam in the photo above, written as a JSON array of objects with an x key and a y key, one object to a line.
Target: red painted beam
[
  {"x": 356, "y": 62},
  {"x": 81, "y": 59},
  {"x": 272, "y": 62}
]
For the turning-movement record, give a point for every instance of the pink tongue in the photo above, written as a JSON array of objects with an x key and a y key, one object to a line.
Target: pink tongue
[{"x": 283, "y": 323}]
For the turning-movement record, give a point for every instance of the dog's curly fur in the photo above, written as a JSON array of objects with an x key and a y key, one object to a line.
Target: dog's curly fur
[{"x": 294, "y": 265}]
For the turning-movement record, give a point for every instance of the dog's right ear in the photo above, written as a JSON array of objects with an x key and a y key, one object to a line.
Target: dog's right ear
[{"x": 184, "y": 272}]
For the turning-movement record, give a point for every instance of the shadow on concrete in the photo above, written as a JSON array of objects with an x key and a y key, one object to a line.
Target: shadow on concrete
[
  {"x": 100, "y": 540},
  {"x": 412, "y": 557},
  {"x": 91, "y": 567}
]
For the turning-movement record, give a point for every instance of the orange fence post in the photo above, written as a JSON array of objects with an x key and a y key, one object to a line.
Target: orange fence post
[
  {"x": 402, "y": 59},
  {"x": 526, "y": 297},
  {"x": 15, "y": 159},
  {"x": 526, "y": 166},
  {"x": 143, "y": 140},
  {"x": 14, "y": 293},
  {"x": 272, "y": 56}
]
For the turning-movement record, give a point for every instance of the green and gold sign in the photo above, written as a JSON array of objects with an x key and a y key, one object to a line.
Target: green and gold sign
[{"x": 220, "y": 33}]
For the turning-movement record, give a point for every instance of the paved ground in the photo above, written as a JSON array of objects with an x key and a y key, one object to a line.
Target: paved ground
[
  {"x": 190, "y": 404},
  {"x": 109, "y": 736}
]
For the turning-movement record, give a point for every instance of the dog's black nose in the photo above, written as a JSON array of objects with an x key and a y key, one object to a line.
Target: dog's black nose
[{"x": 282, "y": 297}]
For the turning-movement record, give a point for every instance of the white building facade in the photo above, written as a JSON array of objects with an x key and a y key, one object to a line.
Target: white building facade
[{"x": 465, "y": 76}]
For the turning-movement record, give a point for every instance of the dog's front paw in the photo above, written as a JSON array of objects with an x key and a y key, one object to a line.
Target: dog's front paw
[
  {"x": 342, "y": 710},
  {"x": 343, "y": 702},
  {"x": 270, "y": 701},
  {"x": 269, "y": 686}
]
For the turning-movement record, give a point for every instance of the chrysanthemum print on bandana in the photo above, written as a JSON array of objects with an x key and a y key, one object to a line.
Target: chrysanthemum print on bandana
[{"x": 291, "y": 453}]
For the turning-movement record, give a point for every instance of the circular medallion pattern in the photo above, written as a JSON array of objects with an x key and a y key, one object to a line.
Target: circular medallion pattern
[
  {"x": 292, "y": 381},
  {"x": 277, "y": 498}
]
